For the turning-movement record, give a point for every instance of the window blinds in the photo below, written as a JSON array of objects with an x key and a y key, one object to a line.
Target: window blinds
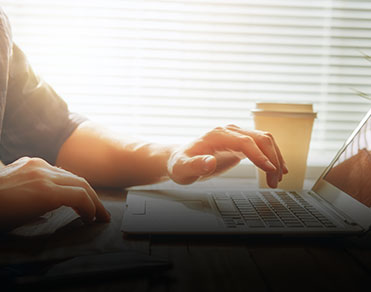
[{"x": 171, "y": 70}]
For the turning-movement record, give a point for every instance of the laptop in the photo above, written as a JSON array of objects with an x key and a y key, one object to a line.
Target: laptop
[{"x": 339, "y": 202}]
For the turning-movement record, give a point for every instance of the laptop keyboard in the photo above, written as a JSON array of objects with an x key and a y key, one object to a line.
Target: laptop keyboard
[{"x": 273, "y": 210}]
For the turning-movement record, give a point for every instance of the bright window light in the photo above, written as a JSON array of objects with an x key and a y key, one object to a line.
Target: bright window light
[{"x": 171, "y": 70}]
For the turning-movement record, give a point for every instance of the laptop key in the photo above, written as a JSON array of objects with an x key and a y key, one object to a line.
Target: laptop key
[
  {"x": 225, "y": 206},
  {"x": 220, "y": 196},
  {"x": 269, "y": 210},
  {"x": 236, "y": 196}
]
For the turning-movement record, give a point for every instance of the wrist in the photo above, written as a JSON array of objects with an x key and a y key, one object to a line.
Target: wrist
[{"x": 170, "y": 151}]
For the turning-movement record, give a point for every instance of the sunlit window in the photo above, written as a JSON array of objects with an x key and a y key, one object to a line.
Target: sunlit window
[{"x": 171, "y": 70}]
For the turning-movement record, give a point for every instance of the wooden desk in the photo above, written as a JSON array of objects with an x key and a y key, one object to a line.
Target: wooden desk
[{"x": 217, "y": 263}]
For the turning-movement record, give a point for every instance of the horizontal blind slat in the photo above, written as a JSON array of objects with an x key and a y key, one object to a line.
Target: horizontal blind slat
[{"x": 170, "y": 70}]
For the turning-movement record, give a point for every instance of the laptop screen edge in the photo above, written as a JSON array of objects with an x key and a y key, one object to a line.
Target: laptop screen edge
[{"x": 360, "y": 213}]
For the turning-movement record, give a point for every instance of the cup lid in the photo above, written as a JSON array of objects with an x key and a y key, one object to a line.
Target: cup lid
[
  {"x": 285, "y": 107},
  {"x": 284, "y": 113}
]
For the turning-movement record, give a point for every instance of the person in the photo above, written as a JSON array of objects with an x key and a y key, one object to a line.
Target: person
[{"x": 53, "y": 157}]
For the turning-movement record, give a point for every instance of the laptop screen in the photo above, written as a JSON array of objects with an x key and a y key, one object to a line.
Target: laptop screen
[{"x": 351, "y": 172}]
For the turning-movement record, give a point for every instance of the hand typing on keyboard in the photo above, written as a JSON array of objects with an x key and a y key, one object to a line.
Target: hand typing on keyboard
[{"x": 222, "y": 148}]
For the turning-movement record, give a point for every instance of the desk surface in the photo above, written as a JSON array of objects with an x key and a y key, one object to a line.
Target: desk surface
[{"x": 219, "y": 263}]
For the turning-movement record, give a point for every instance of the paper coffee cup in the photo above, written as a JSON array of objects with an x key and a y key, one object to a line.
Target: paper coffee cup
[{"x": 291, "y": 126}]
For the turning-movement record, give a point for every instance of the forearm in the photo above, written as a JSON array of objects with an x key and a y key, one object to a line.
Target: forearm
[{"x": 107, "y": 160}]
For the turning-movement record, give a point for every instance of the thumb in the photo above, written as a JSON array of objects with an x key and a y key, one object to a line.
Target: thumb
[{"x": 188, "y": 169}]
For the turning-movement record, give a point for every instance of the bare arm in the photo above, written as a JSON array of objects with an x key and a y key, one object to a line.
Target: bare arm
[
  {"x": 29, "y": 187},
  {"x": 104, "y": 159}
]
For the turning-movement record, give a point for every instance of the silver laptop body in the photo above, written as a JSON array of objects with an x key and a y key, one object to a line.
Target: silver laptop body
[{"x": 339, "y": 202}]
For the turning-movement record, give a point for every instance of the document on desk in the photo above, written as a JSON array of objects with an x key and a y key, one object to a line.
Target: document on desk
[{"x": 48, "y": 223}]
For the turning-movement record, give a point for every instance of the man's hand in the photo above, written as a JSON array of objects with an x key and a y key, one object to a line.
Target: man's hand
[
  {"x": 223, "y": 148},
  {"x": 30, "y": 187}
]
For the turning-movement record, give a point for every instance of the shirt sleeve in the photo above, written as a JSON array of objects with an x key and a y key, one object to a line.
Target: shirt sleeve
[{"x": 36, "y": 120}]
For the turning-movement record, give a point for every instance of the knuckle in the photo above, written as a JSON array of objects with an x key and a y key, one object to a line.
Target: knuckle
[
  {"x": 213, "y": 133},
  {"x": 216, "y": 130},
  {"x": 268, "y": 134},
  {"x": 247, "y": 140},
  {"x": 232, "y": 126},
  {"x": 34, "y": 161},
  {"x": 83, "y": 182},
  {"x": 264, "y": 139},
  {"x": 24, "y": 159}
]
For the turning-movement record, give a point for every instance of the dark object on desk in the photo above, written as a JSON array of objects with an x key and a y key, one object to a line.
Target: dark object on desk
[{"x": 97, "y": 267}]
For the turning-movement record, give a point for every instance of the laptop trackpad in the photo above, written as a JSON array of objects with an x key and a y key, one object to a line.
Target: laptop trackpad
[{"x": 180, "y": 214}]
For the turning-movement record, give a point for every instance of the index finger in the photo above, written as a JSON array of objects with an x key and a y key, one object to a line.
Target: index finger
[
  {"x": 223, "y": 139},
  {"x": 76, "y": 198},
  {"x": 66, "y": 178}
]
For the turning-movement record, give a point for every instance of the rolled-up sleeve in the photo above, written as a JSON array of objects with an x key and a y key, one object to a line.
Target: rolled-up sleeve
[{"x": 36, "y": 120}]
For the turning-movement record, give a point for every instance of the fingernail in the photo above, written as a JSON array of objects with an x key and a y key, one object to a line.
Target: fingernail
[
  {"x": 273, "y": 183},
  {"x": 285, "y": 169},
  {"x": 269, "y": 166},
  {"x": 207, "y": 166},
  {"x": 107, "y": 217}
]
